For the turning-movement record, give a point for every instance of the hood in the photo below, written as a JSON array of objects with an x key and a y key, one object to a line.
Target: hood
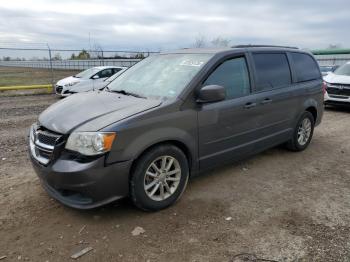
[
  {"x": 67, "y": 80},
  {"x": 337, "y": 79},
  {"x": 92, "y": 111}
]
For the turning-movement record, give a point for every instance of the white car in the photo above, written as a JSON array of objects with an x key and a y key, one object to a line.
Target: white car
[
  {"x": 91, "y": 77},
  {"x": 338, "y": 86},
  {"x": 327, "y": 69},
  {"x": 85, "y": 86}
]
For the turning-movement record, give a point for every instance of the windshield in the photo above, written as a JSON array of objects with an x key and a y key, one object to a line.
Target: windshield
[
  {"x": 343, "y": 70},
  {"x": 87, "y": 73},
  {"x": 163, "y": 75}
]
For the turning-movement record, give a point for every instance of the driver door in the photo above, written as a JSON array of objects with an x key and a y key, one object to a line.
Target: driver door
[{"x": 227, "y": 128}]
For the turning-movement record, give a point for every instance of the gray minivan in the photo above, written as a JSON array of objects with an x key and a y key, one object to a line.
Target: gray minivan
[{"x": 170, "y": 117}]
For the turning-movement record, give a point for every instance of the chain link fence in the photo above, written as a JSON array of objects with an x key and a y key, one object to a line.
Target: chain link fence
[
  {"x": 38, "y": 64},
  {"x": 330, "y": 60}
]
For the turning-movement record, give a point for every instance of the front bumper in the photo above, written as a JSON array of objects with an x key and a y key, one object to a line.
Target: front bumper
[
  {"x": 62, "y": 91},
  {"x": 84, "y": 185},
  {"x": 336, "y": 99}
]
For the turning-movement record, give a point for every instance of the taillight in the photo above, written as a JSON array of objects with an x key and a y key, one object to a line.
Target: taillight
[{"x": 324, "y": 87}]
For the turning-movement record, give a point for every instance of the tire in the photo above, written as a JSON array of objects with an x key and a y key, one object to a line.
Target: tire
[
  {"x": 145, "y": 179},
  {"x": 295, "y": 144}
]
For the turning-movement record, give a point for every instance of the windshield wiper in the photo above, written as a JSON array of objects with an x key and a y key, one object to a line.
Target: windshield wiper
[{"x": 123, "y": 92}]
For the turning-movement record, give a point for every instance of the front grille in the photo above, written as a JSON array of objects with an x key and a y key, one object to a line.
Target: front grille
[
  {"x": 47, "y": 137},
  {"x": 42, "y": 144},
  {"x": 59, "y": 89},
  {"x": 339, "y": 89}
]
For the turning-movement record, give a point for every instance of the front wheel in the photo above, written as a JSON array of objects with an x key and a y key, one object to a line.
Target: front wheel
[
  {"x": 159, "y": 178},
  {"x": 302, "y": 133}
]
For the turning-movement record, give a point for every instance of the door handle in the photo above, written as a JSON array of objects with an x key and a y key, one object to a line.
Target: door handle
[
  {"x": 266, "y": 101},
  {"x": 249, "y": 105}
]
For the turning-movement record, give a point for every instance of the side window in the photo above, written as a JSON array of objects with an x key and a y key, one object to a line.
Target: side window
[
  {"x": 116, "y": 70},
  {"x": 272, "y": 71},
  {"x": 305, "y": 67},
  {"x": 105, "y": 73},
  {"x": 233, "y": 75}
]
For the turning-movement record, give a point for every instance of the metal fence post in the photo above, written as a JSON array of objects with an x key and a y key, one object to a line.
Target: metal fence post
[
  {"x": 103, "y": 61},
  {"x": 51, "y": 67}
]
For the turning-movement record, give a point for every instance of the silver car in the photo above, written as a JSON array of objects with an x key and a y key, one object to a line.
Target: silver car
[{"x": 86, "y": 80}]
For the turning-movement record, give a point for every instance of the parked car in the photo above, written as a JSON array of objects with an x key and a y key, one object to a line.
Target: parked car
[
  {"x": 92, "y": 76},
  {"x": 86, "y": 86},
  {"x": 172, "y": 116},
  {"x": 325, "y": 70},
  {"x": 338, "y": 86}
]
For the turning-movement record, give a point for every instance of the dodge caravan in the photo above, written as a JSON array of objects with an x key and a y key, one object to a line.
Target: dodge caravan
[{"x": 172, "y": 116}]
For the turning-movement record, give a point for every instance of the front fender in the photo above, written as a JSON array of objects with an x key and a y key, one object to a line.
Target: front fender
[
  {"x": 150, "y": 138},
  {"x": 142, "y": 132}
]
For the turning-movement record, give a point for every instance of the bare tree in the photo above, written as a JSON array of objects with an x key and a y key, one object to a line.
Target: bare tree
[
  {"x": 334, "y": 46},
  {"x": 97, "y": 50},
  {"x": 57, "y": 56},
  {"x": 220, "y": 42},
  {"x": 200, "y": 42}
]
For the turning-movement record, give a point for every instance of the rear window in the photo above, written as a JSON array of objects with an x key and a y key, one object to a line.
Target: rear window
[
  {"x": 272, "y": 71},
  {"x": 305, "y": 67}
]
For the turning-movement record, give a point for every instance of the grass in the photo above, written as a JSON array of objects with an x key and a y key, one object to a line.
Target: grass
[{"x": 19, "y": 76}]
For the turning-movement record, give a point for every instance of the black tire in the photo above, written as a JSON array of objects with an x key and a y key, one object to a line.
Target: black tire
[
  {"x": 294, "y": 144},
  {"x": 137, "y": 190}
]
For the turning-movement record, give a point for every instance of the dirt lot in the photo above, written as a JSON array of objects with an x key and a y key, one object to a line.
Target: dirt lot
[
  {"x": 15, "y": 76},
  {"x": 278, "y": 206}
]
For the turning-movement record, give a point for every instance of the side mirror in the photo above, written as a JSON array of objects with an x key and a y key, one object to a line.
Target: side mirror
[
  {"x": 95, "y": 77},
  {"x": 211, "y": 93}
]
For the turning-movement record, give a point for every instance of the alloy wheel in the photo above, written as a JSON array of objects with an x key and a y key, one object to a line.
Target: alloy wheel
[
  {"x": 304, "y": 131},
  {"x": 162, "y": 178}
]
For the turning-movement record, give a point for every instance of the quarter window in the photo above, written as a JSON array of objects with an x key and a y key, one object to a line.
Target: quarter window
[
  {"x": 272, "y": 71},
  {"x": 233, "y": 75},
  {"x": 306, "y": 68}
]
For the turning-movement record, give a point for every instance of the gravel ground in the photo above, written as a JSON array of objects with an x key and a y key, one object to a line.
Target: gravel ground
[{"x": 277, "y": 206}]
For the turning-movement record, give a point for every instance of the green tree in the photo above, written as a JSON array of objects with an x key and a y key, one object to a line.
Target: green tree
[
  {"x": 139, "y": 56},
  {"x": 83, "y": 55}
]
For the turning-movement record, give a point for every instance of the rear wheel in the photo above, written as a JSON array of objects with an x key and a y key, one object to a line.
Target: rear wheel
[
  {"x": 302, "y": 133},
  {"x": 159, "y": 178}
]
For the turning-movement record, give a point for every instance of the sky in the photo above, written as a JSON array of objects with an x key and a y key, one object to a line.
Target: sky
[{"x": 164, "y": 25}]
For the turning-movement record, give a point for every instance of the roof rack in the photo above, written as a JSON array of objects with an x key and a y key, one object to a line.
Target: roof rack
[{"x": 244, "y": 46}]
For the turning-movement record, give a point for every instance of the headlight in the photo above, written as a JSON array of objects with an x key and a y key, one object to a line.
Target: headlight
[
  {"x": 71, "y": 84},
  {"x": 90, "y": 143}
]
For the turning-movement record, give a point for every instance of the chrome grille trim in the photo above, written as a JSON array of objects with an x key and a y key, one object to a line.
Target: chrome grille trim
[
  {"x": 44, "y": 146},
  {"x": 40, "y": 150},
  {"x": 39, "y": 158}
]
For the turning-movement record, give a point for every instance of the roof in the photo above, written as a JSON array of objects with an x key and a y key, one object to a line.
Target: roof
[
  {"x": 198, "y": 51},
  {"x": 106, "y": 67},
  {"x": 234, "y": 49}
]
